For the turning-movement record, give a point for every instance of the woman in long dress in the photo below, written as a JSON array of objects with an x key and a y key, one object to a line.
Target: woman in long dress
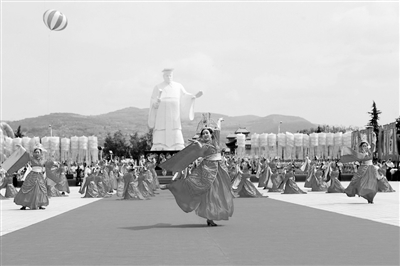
[
  {"x": 52, "y": 191},
  {"x": 151, "y": 166},
  {"x": 11, "y": 191},
  {"x": 291, "y": 186},
  {"x": 262, "y": 172},
  {"x": 232, "y": 168},
  {"x": 245, "y": 188},
  {"x": 132, "y": 189},
  {"x": 33, "y": 193},
  {"x": 55, "y": 171},
  {"x": 276, "y": 178},
  {"x": 89, "y": 186},
  {"x": 335, "y": 186},
  {"x": 383, "y": 183},
  {"x": 207, "y": 189},
  {"x": 365, "y": 181},
  {"x": 317, "y": 182},
  {"x": 312, "y": 168}
]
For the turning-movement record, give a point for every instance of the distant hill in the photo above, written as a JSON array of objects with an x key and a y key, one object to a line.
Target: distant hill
[{"x": 132, "y": 119}]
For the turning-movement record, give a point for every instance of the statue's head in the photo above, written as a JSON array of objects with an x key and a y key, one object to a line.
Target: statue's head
[{"x": 168, "y": 75}]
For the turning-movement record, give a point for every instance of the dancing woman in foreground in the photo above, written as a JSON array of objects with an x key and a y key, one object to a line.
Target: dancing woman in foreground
[{"x": 207, "y": 189}]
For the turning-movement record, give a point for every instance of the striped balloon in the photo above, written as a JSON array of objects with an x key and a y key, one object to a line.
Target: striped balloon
[{"x": 55, "y": 20}]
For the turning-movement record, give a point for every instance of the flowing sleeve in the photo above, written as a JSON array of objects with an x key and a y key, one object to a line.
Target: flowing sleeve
[
  {"x": 349, "y": 155},
  {"x": 153, "y": 111},
  {"x": 187, "y": 101},
  {"x": 183, "y": 158},
  {"x": 18, "y": 159},
  {"x": 217, "y": 134}
]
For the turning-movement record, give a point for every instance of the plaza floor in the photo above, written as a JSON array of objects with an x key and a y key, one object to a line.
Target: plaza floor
[{"x": 316, "y": 228}]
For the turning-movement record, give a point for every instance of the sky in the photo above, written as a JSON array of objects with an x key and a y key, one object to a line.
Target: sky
[{"x": 324, "y": 61}]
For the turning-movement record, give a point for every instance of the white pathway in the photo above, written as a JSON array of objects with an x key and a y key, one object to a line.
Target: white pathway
[
  {"x": 12, "y": 218},
  {"x": 384, "y": 210}
]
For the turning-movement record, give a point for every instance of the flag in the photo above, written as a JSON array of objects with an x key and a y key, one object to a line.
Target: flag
[{"x": 18, "y": 159}]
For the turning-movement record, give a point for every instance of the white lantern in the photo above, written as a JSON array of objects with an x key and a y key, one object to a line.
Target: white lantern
[
  {"x": 347, "y": 139},
  {"x": 282, "y": 139},
  {"x": 15, "y": 142},
  {"x": 254, "y": 140},
  {"x": 65, "y": 144},
  {"x": 263, "y": 140},
  {"x": 289, "y": 139},
  {"x": 321, "y": 139},
  {"x": 54, "y": 143},
  {"x": 298, "y": 139},
  {"x": 272, "y": 139},
  {"x": 306, "y": 140},
  {"x": 25, "y": 142},
  {"x": 74, "y": 148},
  {"x": 314, "y": 139},
  {"x": 46, "y": 143},
  {"x": 338, "y": 139},
  {"x": 74, "y": 143},
  {"x": 329, "y": 139}
]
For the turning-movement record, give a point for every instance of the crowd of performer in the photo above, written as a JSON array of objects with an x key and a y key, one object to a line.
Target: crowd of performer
[{"x": 129, "y": 179}]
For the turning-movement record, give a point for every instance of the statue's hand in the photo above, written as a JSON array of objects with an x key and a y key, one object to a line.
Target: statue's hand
[
  {"x": 199, "y": 94},
  {"x": 156, "y": 104}
]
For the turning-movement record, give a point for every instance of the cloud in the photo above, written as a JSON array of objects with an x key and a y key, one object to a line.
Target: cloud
[
  {"x": 373, "y": 22},
  {"x": 197, "y": 71}
]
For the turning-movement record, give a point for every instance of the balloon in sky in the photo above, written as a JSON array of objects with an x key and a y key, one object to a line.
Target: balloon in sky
[{"x": 55, "y": 20}]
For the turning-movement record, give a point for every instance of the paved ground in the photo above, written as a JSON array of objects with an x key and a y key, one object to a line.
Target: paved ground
[
  {"x": 311, "y": 229},
  {"x": 385, "y": 209}
]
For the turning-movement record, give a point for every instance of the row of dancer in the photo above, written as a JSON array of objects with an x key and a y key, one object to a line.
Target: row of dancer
[
  {"x": 45, "y": 179},
  {"x": 131, "y": 181},
  {"x": 368, "y": 179}
]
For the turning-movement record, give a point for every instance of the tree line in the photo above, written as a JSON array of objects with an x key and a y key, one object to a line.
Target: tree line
[{"x": 132, "y": 147}]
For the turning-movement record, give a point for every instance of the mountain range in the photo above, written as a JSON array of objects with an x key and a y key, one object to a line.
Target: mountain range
[{"x": 132, "y": 119}]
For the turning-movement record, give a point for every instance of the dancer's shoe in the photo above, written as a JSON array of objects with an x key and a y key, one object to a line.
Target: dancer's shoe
[{"x": 211, "y": 223}]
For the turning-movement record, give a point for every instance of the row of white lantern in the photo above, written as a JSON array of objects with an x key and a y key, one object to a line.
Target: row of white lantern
[
  {"x": 338, "y": 139},
  {"x": 295, "y": 146},
  {"x": 77, "y": 149}
]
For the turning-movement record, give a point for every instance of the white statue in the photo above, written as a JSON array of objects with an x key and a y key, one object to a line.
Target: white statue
[{"x": 170, "y": 103}]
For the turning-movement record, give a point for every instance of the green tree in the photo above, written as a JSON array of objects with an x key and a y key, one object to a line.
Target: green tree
[
  {"x": 116, "y": 144},
  {"x": 140, "y": 143},
  {"x": 374, "y": 118},
  {"x": 134, "y": 145}
]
